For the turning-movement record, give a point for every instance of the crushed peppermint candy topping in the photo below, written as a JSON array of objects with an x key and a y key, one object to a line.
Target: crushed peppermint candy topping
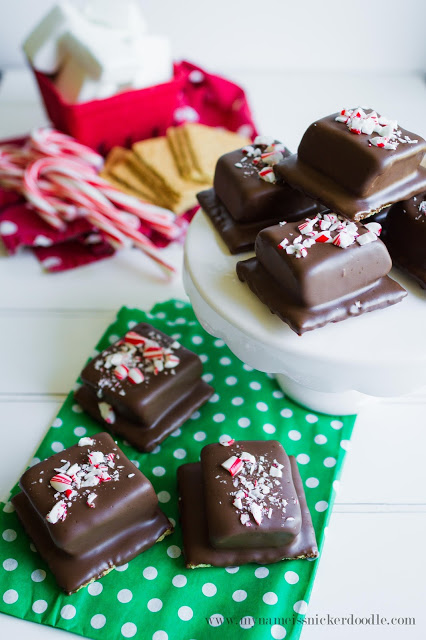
[
  {"x": 257, "y": 487},
  {"x": 328, "y": 228},
  {"x": 226, "y": 441},
  {"x": 132, "y": 361},
  {"x": 73, "y": 480},
  {"x": 358, "y": 122},
  {"x": 422, "y": 207},
  {"x": 259, "y": 158}
]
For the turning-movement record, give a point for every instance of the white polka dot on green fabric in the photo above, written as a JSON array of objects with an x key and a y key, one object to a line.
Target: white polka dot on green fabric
[
  {"x": 321, "y": 506},
  {"x": 329, "y": 462},
  {"x": 179, "y": 580},
  {"x": 214, "y": 398},
  {"x": 219, "y": 417},
  {"x": 68, "y": 612},
  {"x": 10, "y": 564},
  {"x": 302, "y": 458},
  {"x": 39, "y": 606},
  {"x": 256, "y": 386},
  {"x": 216, "y": 620},
  {"x": 232, "y": 569},
  {"x": 336, "y": 424},
  {"x": 80, "y": 431},
  {"x": 57, "y": 423},
  {"x": 238, "y": 401},
  {"x": 128, "y": 630},
  {"x": 185, "y": 613},
  {"x": 294, "y": 435},
  {"x": 219, "y": 343},
  {"x": 38, "y": 575},
  {"x": 197, "y": 340},
  {"x": 291, "y": 577},
  {"x": 244, "y": 422},
  {"x": 300, "y": 607},
  {"x": 261, "y": 572},
  {"x": 160, "y": 635},
  {"x": 320, "y": 439},
  {"x": 173, "y": 551},
  {"x": 154, "y": 605},
  {"x": 231, "y": 380},
  {"x": 270, "y": 598},
  {"x": 247, "y": 622},
  {"x": 199, "y": 436},
  {"x": 225, "y": 361},
  {"x": 278, "y": 632},
  {"x": 95, "y": 588},
  {"x": 57, "y": 447},
  {"x": 159, "y": 471},
  {"x": 312, "y": 482},
  {"x": 209, "y": 589},
  {"x": 98, "y": 621},
  {"x": 269, "y": 428},
  {"x": 239, "y": 595},
  {"x": 9, "y": 535},
  {"x": 286, "y": 413},
  {"x": 261, "y": 406},
  {"x": 10, "y": 596},
  {"x": 163, "y": 497},
  {"x": 179, "y": 454},
  {"x": 150, "y": 573}
]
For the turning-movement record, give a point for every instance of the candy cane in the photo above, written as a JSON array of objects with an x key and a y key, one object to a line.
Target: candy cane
[{"x": 54, "y": 143}]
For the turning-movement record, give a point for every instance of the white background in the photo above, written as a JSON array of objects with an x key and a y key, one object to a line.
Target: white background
[{"x": 377, "y": 35}]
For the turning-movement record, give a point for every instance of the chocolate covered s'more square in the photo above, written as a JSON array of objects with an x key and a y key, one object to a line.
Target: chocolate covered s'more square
[
  {"x": 405, "y": 236},
  {"x": 143, "y": 387},
  {"x": 244, "y": 502},
  {"x": 88, "y": 509},
  {"x": 356, "y": 163},
  {"x": 247, "y": 197},
  {"x": 325, "y": 269}
]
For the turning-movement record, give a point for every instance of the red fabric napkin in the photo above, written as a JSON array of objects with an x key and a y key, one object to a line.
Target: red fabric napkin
[{"x": 205, "y": 98}]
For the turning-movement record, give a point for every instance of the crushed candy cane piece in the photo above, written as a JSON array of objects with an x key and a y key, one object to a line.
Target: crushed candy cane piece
[
  {"x": 121, "y": 372},
  {"x": 91, "y": 500},
  {"x": 264, "y": 140},
  {"x": 86, "y": 442},
  {"x": 256, "y": 512},
  {"x": 226, "y": 441},
  {"x": 58, "y": 512},
  {"x": 61, "y": 482},
  {"x": 275, "y": 472},
  {"x": 238, "y": 503},
  {"x": 107, "y": 412},
  {"x": 134, "y": 338},
  {"x": 375, "y": 227},
  {"x": 96, "y": 458},
  {"x": 233, "y": 465},
  {"x": 136, "y": 376},
  {"x": 366, "y": 238},
  {"x": 268, "y": 175}
]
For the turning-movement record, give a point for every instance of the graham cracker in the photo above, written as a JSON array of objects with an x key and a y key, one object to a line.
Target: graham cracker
[
  {"x": 157, "y": 168},
  {"x": 182, "y": 154},
  {"x": 119, "y": 171},
  {"x": 205, "y": 145}
]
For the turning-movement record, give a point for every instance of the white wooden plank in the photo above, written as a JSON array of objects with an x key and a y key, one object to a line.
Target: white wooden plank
[{"x": 371, "y": 563}]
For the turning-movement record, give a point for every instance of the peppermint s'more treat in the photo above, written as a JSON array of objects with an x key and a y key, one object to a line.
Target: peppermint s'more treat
[
  {"x": 405, "y": 236},
  {"x": 247, "y": 196},
  {"x": 143, "y": 387},
  {"x": 89, "y": 509},
  {"x": 356, "y": 163},
  {"x": 244, "y": 502},
  {"x": 325, "y": 269}
]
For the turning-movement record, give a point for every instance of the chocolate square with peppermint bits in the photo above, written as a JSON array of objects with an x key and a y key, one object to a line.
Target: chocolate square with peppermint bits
[
  {"x": 122, "y": 493},
  {"x": 250, "y": 497},
  {"x": 244, "y": 502},
  {"x": 250, "y": 197},
  {"x": 88, "y": 509},
  {"x": 143, "y": 386}
]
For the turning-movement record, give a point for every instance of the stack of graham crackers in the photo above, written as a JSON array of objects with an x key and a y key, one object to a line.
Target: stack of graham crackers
[{"x": 169, "y": 171}]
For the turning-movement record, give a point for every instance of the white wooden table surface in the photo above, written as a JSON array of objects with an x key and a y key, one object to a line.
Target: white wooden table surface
[{"x": 374, "y": 558}]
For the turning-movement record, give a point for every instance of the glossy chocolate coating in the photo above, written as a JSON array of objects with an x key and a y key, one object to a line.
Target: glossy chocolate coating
[
  {"x": 75, "y": 571},
  {"x": 342, "y": 171},
  {"x": 405, "y": 236},
  {"x": 327, "y": 272},
  {"x": 146, "y": 403},
  {"x": 223, "y": 519},
  {"x": 352, "y": 162},
  {"x": 383, "y": 293},
  {"x": 241, "y": 236},
  {"x": 119, "y": 504},
  {"x": 147, "y": 438},
  {"x": 197, "y": 548},
  {"x": 248, "y": 198}
]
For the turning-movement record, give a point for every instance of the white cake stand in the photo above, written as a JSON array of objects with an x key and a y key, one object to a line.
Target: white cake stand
[{"x": 335, "y": 369}]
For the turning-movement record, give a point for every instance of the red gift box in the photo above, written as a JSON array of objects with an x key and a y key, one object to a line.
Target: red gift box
[{"x": 120, "y": 120}]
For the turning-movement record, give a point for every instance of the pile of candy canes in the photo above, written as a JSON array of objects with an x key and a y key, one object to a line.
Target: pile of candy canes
[
  {"x": 358, "y": 121},
  {"x": 263, "y": 160},
  {"x": 59, "y": 177},
  {"x": 328, "y": 228},
  {"x": 73, "y": 481}
]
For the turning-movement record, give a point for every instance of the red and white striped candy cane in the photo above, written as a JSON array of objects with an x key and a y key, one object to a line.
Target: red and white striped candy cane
[{"x": 54, "y": 143}]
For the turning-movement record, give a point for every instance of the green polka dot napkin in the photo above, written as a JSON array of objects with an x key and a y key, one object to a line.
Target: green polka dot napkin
[{"x": 155, "y": 596}]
